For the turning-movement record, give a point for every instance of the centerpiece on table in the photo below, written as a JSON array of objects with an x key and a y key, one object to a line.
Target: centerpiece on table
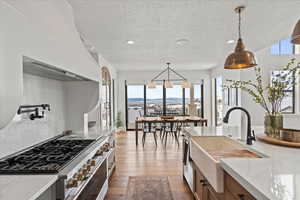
[{"x": 270, "y": 96}]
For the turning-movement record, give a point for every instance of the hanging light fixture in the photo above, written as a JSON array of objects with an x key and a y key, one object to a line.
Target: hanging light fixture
[
  {"x": 152, "y": 85},
  {"x": 296, "y": 34},
  {"x": 168, "y": 83},
  {"x": 185, "y": 84},
  {"x": 240, "y": 58}
]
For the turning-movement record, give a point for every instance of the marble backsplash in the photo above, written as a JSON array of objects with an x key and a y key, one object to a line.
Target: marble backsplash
[{"x": 22, "y": 132}]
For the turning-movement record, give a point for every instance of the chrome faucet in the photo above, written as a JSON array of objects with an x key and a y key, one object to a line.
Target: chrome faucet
[{"x": 250, "y": 137}]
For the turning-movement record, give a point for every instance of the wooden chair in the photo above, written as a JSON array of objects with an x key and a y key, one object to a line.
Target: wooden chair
[{"x": 149, "y": 127}]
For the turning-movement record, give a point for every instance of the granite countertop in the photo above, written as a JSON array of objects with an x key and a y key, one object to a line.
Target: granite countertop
[
  {"x": 274, "y": 177},
  {"x": 29, "y": 187}
]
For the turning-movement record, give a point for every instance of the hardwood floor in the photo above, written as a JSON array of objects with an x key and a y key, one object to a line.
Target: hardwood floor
[{"x": 151, "y": 161}]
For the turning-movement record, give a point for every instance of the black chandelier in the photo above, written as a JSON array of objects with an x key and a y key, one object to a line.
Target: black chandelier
[{"x": 167, "y": 82}]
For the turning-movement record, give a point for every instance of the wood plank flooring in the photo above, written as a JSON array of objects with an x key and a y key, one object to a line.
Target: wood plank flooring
[{"x": 147, "y": 161}]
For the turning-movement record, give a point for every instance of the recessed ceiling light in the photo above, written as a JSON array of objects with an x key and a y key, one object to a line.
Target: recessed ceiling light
[
  {"x": 230, "y": 41},
  {"x": 182, "y": 41},
  {"x": 130, "y": 42}
]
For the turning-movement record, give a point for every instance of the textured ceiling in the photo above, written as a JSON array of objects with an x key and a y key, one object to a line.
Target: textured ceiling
[{"x": 155, "y": 25}]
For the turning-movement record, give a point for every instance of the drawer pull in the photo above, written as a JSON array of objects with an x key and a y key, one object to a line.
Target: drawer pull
[
  {"x": 203, "y": 182},
  {"x": 241, "y": 196}
]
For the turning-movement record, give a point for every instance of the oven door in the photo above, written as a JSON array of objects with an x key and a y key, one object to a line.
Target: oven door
[
  {"x": 96, "y": 187},
  {"x": 188, "y": 172}
]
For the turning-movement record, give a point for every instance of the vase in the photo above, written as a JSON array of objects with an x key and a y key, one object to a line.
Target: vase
[{"x": 273, "y": 125}]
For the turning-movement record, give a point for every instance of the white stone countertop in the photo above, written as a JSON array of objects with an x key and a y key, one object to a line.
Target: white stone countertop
[
  {"x": 25, "y": 187},
  {"x": 274, "y": 177}
]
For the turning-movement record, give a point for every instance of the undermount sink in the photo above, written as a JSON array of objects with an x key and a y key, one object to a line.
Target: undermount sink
[{"x": 206, "y": 152}]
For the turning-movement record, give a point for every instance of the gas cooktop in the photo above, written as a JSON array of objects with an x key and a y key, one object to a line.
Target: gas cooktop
[{"x": 47, "y": 158}]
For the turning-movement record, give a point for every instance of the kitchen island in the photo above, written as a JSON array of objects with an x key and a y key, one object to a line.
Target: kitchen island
[{"x": 274, "y": 176}]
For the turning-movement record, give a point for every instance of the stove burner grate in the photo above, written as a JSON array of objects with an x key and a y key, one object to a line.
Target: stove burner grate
[{"x": 47, "y": 158}]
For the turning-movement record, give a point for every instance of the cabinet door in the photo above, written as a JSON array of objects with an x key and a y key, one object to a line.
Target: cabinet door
[
  {"x": 228, "y": 195},
  {"x": 200, "y": 183},
  {"x": 210, "y": 193},
  {"x": 233, "y": 188}
]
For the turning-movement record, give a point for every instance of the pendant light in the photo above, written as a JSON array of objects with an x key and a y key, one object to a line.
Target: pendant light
[
  {"x": 185, "y": 84},
  {"x": 296, "y": 34},
  {"x": 240, "y": 58},
  {"x": 168, "y": 84},
  {"x": 151, "y": 85}
]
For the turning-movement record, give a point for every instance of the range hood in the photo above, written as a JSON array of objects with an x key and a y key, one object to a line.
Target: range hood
[{"x": 38, "y": 68}]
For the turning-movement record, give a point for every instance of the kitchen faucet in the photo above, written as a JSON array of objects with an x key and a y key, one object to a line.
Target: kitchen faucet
[
  {"x": 250, "y": 136},
  {"x": 34, "y": 110}
]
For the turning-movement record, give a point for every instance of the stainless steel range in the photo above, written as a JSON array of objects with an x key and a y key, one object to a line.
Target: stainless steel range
[
  {"x": 82, "y": 165},
  {"x": 47, "y": 158}
]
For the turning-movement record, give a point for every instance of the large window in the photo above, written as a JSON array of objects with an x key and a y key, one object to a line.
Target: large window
[
  {"x": 285, "y": 47},
  {"x": 193, "y": 100},
  {"x": 141, "y": 101},
  {"x": 154, "y": 101},
  {"x": 288, "y": 102},
  {"x": 218, "y": 101},
  {"x": 135, "y": 104},
  {"x": 174, "y": 100}
]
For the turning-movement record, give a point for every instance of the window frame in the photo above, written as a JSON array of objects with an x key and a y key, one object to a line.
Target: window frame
[
  {"x": 182, "y": 113},
  {"x": 164, "y": 97},
  {"x": 280, "y": 43},
  {"x": 126, "y": 103},
  {"x": 107, "y": 99},
  {"x": 216, "y": 100},
  {"x": 292, "y": 91}
]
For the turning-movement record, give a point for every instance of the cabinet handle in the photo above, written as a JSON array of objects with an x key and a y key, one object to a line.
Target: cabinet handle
[
  {"x": 241, "y": 196},
  {"x": 203, "y": 182}
]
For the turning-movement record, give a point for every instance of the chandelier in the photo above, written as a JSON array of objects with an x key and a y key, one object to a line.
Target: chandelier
[{"x": 166, "y": 79}]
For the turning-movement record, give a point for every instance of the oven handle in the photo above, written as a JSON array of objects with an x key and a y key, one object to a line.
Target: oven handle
[{"x": 186, "y": 151}]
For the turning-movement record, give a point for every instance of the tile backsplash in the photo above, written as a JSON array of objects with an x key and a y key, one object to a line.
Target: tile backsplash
[{"x": 23, "y": 132}]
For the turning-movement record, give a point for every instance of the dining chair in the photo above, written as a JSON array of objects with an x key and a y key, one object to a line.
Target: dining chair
[
  {"x": 149, "y": 128},
  {"x": 171, "y": 129},
  {"x": 140, "y": 114}
]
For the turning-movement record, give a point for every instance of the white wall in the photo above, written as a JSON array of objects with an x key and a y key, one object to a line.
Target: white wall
[
  {"x": 81, "y": 97},
  {"x": 142, "y": 77}
]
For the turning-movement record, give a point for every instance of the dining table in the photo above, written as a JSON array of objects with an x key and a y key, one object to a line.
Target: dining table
[{"x": 179, "y": 119}]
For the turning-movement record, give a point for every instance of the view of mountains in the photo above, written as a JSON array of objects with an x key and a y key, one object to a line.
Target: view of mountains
[{"x": 140, "y": 100}]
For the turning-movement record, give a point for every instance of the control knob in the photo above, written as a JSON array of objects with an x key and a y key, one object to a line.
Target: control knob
[
  {"x": 99, "y": 152},
  {"x": 72, "y": 183},
  {"x": 93, "y": 162}
]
